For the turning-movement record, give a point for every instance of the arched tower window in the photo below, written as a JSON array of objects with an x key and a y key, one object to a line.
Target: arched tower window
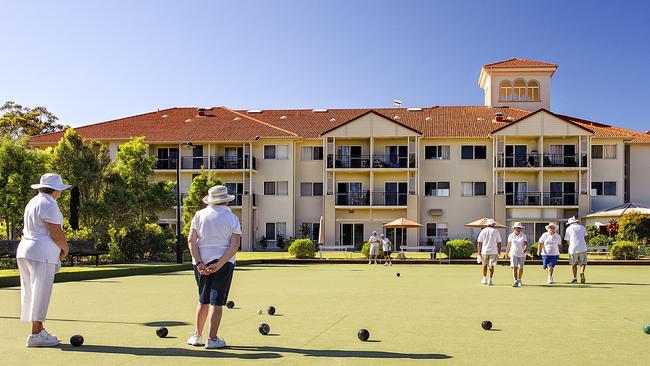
[
  {"x": 505, "y": 91},
  {"x": 532, "y": 90},
  {"x": 519, "y": 90}
]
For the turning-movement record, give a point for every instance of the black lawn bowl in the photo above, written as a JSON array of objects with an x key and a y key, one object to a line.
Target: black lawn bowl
[
  {"x": 270, "y": 310},
  {"x": 398, "y": 274},
  {"x": 162, "y": 332},
  {"x": 230, "y": 304},
  {"x": 264, "y": 329},
  {"x": 363, "y": 334},
  {"x": 486, "y": 324},
  {"x": 646, "y": 329},
  {"x": 76, "y": 340}
]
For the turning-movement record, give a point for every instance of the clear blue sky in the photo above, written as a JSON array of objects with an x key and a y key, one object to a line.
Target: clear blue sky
[{"x": 90, "y": 61}]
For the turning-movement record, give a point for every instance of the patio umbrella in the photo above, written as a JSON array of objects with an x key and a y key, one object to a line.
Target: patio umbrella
[
  {"x": 481, "y": 223},
  {"x": 620, "y": 210},
  {"x": 402, "y": 223}
]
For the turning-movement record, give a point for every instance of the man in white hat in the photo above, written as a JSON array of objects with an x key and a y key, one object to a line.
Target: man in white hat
[
  {"x": 549, "y": 248},
  {"x": 215, "y": 236},
  {"x": 374, "y": 247},
  {"x": 39, "y": 256},
  {"x": 488, "y": 248},
  {"x": 576, "y": 236},
  {"x": 516, "y": 250}
]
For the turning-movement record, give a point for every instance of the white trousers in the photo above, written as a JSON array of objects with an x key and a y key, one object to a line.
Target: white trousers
[{"x": 36, "y": 281}]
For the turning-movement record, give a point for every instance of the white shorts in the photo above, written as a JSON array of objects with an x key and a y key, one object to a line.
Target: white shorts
[
  {"x": 490, "y": 259},
  {"x": 374, "y": 249},
  {"x": 578, "y": 259},
  {"x": 517, "y": 262},
  {"x": 36, "y": 281}
]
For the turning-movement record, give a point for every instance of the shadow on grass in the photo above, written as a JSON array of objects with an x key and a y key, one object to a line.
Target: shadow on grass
[
  {"x": 344, "y": 353},
  {"x": 168, "y": 352},
  {"x": 161, "y": 323},
  {"x": 165, "y": 323}
]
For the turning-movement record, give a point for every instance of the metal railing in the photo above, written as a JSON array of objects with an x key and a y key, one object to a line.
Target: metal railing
[
  {"x": 201, "y": 162},
  {"x": 230, "y": 162},
  {"x": 353, "y": 199},
  {"x": 348, "y": 161},
  {"x": 389, "y": 199},
  {"x": 518, "y": 160},
  {"x": 166, "y": 163},
  {"x": 541, "y": 199},
  {"x": 565, "y": 161},
  {"x": 393, "y": 161}
]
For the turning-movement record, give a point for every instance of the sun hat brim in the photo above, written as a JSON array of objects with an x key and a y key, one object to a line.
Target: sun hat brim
[
  {"x": 517, "y": 227},
  {"x": 550, "y": 225},
  {"x": 216, "y": 201},
  {"x": 56, "y": 187}
]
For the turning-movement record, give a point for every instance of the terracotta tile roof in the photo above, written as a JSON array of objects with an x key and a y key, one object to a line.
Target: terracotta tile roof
[
  {"x": 223, "y": 124},
  {"x": 520, "y": 62}
]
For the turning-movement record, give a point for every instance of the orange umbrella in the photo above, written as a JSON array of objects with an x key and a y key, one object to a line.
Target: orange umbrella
[
  {"x": 402, "y": 223},
  {"x": 481, "y": 223}
]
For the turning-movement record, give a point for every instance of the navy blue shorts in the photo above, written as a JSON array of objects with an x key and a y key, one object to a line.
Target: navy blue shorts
[
  {"x": 213, "y": 288},
  {"x": 549, "y": 260}
]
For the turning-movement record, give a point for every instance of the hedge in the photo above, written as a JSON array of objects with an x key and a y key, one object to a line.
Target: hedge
[
  {"x": 459, "y": 249},
  {"x": 302, "y": 248},
  {"x": 625, "y": 250}
]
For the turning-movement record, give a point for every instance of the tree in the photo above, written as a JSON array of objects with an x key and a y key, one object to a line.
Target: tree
[
  {"x": 20, "y": 167},
  {"x": 194, "y": 200},
  {"x": 17, "y": 121},
  {"x": 634, "y": 227}
]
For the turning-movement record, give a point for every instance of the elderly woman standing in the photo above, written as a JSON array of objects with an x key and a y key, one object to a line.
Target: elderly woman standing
[
  {"x": 215, "y": 235},
  {"x": 39, "y": 256},
  {"x": 549, "y": 248}
]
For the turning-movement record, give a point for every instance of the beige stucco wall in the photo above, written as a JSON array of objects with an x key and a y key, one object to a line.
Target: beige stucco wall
[
  {"x": 494, "y": 80},
  {"x": 640, "y": 173},
  {"x": 308, "y": 209},
  {"x": 608, "y": 170},
  {"x": 371, "y": 125}
]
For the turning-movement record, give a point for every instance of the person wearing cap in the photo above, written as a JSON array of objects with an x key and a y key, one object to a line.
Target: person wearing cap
[
  {"x": 549, "y": 248},
  {"x": 576, "y": 236},
  {"x": 215, "y": 236},
  {"x": 39, "y": 256},
  {"x": 516, "y": 250},
  {"x": 374, "y": 247},
  {"x": 386, "y": 246},
  {"x": 488, "y": 249}
]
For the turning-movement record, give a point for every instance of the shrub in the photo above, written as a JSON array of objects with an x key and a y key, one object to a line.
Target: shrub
[
  {"x": 625, "y": 250},
  {"x": 302, "y": 248},
  {"x": 634, "y": 227},
  {"x": 459, "y": 249},
  {"x": 592, "y": 231},
  {"x": 599, "y": 240},
  {"x": 140, "y": 242},
  {"x": 533, "y": 251},
  {"x": 365, "y": 250}
]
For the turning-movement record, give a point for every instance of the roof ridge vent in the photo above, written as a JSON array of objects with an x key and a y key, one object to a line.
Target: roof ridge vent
[
  {"x": 319, "y": 110},
  {"x": 414, "y": 109},
  {"x": 254, "y": 111}
]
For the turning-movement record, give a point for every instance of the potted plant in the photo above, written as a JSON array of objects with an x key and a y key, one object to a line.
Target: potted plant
[{"x": 263, "y": 242}]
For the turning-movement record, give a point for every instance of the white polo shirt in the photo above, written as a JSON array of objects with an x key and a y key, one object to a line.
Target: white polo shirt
[
  {"x": 37, "y": 244},
  {"x": 489, "y": 237},
  {"x": 374, "y": 240},
  {"x": 385, "y": 243},
  {"x": 215, "y": 225},
  {"x": 517, "y": 244},
  {"x": 575, "y": 235},
  {"x": 550, "y": 243}
]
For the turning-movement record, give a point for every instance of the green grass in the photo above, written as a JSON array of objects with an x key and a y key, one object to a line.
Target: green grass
[{"x": 429, "y": 315}]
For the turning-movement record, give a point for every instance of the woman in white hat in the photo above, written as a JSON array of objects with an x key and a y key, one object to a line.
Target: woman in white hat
[
  {"x": 215, "y": 235},
  {"x": 516, "y": 250},
  {"x": 549, "y": 248},
  {"x": 39, "y": 256}
]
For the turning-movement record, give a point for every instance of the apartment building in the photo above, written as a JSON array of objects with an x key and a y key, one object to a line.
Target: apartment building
[{"x": 353, "y": 170}]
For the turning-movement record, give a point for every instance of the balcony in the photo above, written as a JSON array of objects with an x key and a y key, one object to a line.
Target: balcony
[
  {"x": 353, "y": 199},
  {"x": 565, "y": 161},
  {"x": 535, "y": 161},
  {"x": 230, "y": 162},
  {"x": 519, "y": 161},
  {"x": 541, "y": 199},
  {"x": 378, "y": 199},
  {"x": 389, "y": 199},
  {"x": 201, "y": 162},
  {"x": 168, "y": 163},
  {"x": 348, "y": 161},
  {"x": 393, "y": 161}
]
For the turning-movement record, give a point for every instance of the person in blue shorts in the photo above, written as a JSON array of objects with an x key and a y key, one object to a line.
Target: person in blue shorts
[{"x": 549, "y": 248}]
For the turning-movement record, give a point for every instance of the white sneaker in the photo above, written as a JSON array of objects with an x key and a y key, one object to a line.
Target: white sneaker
[
  {"x": 515, "y": 284},
  {"x": 215, "y": 343},
  {"x": 50, "y": 335},
  {"x": 385, "y": 263},
  {"x": 42, "y": 339},
  {"x": 483, "y": 281},
  {"x": 489, "y": 281},
  {"x": 390, "y": 263},
  {"x": 195, "y": 340},
  {"x": 519, "y": 283},
  {"x": 369, "y": 262},
  {"x": 550, "y": 280}
]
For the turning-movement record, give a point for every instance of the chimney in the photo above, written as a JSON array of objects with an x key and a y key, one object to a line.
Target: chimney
[
  {"x": 498, "y": 116},
  {"x": 201, "y": 111}
]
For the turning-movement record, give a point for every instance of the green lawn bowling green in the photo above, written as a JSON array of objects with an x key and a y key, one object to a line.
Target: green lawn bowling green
[{"x": 430, "y": 315}]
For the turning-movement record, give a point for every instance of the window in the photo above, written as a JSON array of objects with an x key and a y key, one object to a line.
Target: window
[
  {"x": 314, "y": 228},
  {"x": 505, "y": 91},
  {"x": 311, "y": 189},
  {"x": 312, "y": 153},
  {"x": 519, "y": 90},
  {"x": 603, "y": 188},
  {"x": 275, "y": 230},
  {"x": 436, "y": 152},
  {"x": 473, "y": 189},
  {"x": 276, "y": 152},
  {"x": 437, "y": 229},
  {"x": 269, "y": 188},
  {"x": 431, "y": 229},
  {"x": 473, "y": 152},
  {"x": 280, "y": 188},
  {"x": 270, "y": 230},
  {"x": 532, "y": 91},
  {"x": 438, "y": 189},
  {"x": 603, "y": 151}
]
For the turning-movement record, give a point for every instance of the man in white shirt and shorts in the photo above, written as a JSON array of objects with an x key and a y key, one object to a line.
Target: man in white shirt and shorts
[
  {"x": 374, "y": 247},
  {"x": 516, "y": 250},
  {"x": 488, "y": 248},
  {"x": 576, "y": 236}
]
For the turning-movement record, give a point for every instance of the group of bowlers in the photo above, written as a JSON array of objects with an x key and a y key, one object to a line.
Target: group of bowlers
[{"x": 489, "y": 248}]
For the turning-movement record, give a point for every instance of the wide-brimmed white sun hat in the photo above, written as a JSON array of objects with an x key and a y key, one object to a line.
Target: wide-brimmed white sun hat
[
  {"x": 517, "y": 225},
  {"x": 572, "y": 220},
  {"x": 51, "y": 180},
  {"x": 552, "y": 224},
  {"x": 490, "y": 222},
  {"x": 217, "y": 195}
]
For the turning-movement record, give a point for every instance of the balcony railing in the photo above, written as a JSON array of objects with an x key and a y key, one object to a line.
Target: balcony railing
[
  {"x": 389, "y": 199},
  {"x": 541, "y": 198},
  {"x": 201, "y": 162},
  {"x": 348, "y": 161},
  {"x": 393, "y": 161},
  {"x": 353, "y": 199},
  {"x": 519, "y": 160},
  {"x": 167, "y": 163},
  {"x": 565, "y": 161},
  {"x": 230, "y": 162}
]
